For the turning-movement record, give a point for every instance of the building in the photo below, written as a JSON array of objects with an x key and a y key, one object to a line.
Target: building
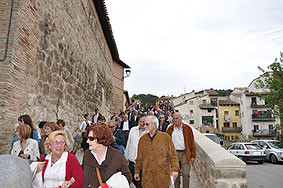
[
  {"x": 229, "y": 119},
  {"x": 58, "y": 59},
  {"x": 257, "y": 121},
  {"x": 199, "y": 109}
]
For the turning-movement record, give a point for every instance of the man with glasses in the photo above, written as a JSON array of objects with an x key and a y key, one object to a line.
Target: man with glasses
[
  {"x": 183, "y": 139},
  {"x": 157, "y": 157},
  {"x": 132, "y": 146}
]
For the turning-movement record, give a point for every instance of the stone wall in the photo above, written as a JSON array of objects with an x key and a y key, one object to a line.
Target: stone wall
[
  {"x": 217, "y": 168},
  {"x": 59, "y": 65}
]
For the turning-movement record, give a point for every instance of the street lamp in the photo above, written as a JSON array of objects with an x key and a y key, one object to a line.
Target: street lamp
[{"x": 128, "y": 72}]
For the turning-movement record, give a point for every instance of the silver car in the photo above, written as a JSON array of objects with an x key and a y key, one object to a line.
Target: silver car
[
  {"x": 273, "y": 149},
  {"x": 247, "y": 152}
]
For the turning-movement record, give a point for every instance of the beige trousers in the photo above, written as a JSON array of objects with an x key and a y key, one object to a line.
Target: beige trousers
[{"x": 185, "y": 168}]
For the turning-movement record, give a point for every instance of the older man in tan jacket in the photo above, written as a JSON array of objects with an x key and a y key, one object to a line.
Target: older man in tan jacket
[{"x": 156, "y": 157}]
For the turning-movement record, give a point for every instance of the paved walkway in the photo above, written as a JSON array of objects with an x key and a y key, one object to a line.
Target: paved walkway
[{"x": 193, "y": 180}]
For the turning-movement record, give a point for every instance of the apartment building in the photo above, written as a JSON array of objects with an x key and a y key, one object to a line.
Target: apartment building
[
  {"x": 257, "y": 120},
  {"x": 229, "y": 119}
]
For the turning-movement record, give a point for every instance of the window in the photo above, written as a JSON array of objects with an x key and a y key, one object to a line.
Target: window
[
  {"x": 192, "y": 121},
  {"x": 204, "y": 101},
  {"x": 191, "y": 102},
  {"x": 191, "y": 113},
  {"x": 237, "y": 113},
  {"x": 226, "y": 112},
  {"x": 270, "y": 126},
  {"x": 209, "y": 110},
  {"x": 253, "y": 100},
  {"x": 234, "y": 124},
  {"x": 227, "y": 124},
  {"x": 228, "y": 137},
  {"x": 232, "y": 137},
  {"x": 213, "y": 101},
  {"x": 256, "y": 128}
]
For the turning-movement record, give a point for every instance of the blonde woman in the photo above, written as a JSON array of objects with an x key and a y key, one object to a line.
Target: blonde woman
[
  {"x": 25, "y": 147},
  {"x": 60, "y": 168}
]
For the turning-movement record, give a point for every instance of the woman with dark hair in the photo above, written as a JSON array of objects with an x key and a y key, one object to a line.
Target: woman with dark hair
[
  {"x": 103, "y": 161},
  {"x": 48, "y": 128},
  {"x": 22, "y": 120},
  {"x": 162, "y": 123},
  {"x": 72, "y": 146}
]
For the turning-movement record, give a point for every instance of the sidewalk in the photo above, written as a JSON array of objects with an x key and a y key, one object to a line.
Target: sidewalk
[{"x": 193, "y": 180}]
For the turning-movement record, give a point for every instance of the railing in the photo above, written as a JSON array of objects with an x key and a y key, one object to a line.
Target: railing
[
  {"x": 264, "y": 132},
  {"x": 231, "y": 129},
  {"x": 262, "y": 117}
]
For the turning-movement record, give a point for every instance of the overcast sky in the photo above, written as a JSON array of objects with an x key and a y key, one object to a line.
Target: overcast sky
[{"x": 184, "y": 45}]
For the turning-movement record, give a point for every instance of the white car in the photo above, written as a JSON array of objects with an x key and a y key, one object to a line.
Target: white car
[
  {"x": 247, "y": 152},
  {"x": 273, "y": 149},
  {"x": 213, "y": 137}
]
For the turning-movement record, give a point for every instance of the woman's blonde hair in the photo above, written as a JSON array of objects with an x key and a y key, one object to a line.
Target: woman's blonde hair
[
  {"x": 24, "y": 131},
  {"x": 51, "y": 139}
]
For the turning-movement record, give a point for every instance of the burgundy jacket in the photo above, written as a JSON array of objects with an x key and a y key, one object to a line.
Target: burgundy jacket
[{"x": 188, "y": 139}]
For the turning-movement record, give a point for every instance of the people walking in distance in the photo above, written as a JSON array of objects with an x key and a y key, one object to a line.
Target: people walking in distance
[
  {"x": 183, "y": 139},
  {"x": 22, "y": 120},
  {"x": 117, "y": 135},
  {"x": 84, "y": 125},
  {"x": 41, "y": 129},
  {"x": 162, "y": 123},
  {"x": 101, "y": 120},
  {"x": 25, "y": 147},
  {"x": 125, "y": 127},
  {"x": 134, "y": 118},
  {"x": 62, "y": 126},
  {"x": 59, "y": 168},
  {"x": 48, "y": 128},
  {"x": 156, "y": 157},
  {"x": 95, "y": 116},
  {"x": 132, "y": 147},
  {"x": 100, "y": 160}
]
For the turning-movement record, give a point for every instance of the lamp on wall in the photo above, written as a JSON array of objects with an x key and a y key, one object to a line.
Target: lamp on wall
[{"x": 128, "y": 72}]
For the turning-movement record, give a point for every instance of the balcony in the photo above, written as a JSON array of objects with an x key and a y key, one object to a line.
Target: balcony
[
  {"x": 262, "y": 117},
  {"x": 231, "y": 129},
  {"x": 258, "y": 106},
  {"x": 264, "y": 133}
]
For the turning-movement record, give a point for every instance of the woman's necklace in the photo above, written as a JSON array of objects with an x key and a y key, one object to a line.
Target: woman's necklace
[{"x": 53, "y": 161}]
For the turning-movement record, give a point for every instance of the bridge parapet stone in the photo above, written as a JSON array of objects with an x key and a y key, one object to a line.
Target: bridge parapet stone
[{"x": 215, "y": 167}]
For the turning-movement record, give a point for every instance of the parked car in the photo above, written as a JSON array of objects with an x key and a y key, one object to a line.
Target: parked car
[
  {"x": 214, "y": 138},
  {"x": 273, "y": 149},
  {"x": 247, "y": 152}
]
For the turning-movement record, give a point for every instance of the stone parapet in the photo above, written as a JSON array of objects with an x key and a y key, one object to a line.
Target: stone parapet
[{"x": 215, "y": 167}]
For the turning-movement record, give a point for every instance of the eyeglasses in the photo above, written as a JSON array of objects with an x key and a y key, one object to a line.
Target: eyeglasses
[
  {"x": 91, "y": 138},
  {"x": 111, "y": 127},
  {"x": 57, "y": 143}
]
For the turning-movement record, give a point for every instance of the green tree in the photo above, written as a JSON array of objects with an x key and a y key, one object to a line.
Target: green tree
[
  {"x": 272, "y": 82},
  {"x": 146, "y": 98}
]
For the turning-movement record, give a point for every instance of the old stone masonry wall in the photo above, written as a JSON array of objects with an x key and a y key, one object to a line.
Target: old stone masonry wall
[{"x": 58, "y": 65}]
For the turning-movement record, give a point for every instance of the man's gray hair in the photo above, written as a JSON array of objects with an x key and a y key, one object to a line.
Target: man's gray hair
[{"x": 154, "y": 120}]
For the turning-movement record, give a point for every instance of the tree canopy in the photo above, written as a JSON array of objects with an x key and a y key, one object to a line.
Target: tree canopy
[{"x": 146, "y": 98}]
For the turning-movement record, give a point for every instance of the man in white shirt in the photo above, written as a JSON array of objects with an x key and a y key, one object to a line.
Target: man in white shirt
[
  {"x": 125, "y": 127},
  {"x": 83, "y": 128},
  {"x": 132, "y": 146}
]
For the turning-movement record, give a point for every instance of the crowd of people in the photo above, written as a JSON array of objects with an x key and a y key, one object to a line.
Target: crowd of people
[{"x": 144, "y": 146}]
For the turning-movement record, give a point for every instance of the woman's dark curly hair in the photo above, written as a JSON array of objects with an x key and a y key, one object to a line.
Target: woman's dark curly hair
[{"x": 102, "y": 133}]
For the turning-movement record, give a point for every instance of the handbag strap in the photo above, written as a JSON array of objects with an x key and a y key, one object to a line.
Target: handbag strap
[{"x": 99, "y": 177}]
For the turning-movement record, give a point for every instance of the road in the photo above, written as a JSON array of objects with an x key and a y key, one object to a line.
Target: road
[{"x": 266, "y": 175}]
